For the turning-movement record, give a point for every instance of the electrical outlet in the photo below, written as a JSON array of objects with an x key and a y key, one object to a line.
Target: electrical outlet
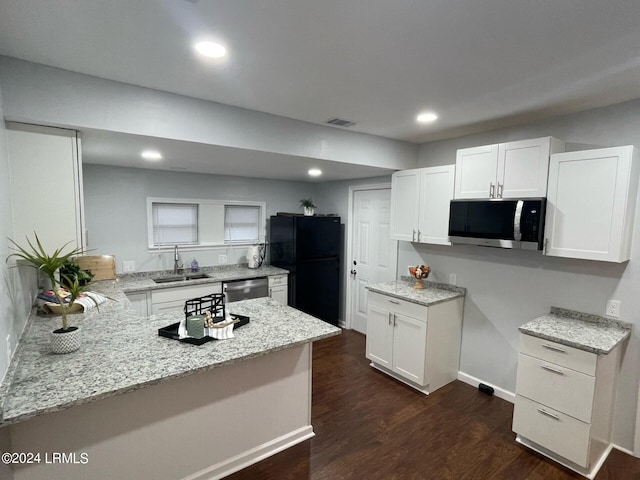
[
  {"x": 452, "y": 279},
  {"x": 128, "y": 266},
  {"x": 613, "y": 308},
  {"x": 222, "y": 259}
]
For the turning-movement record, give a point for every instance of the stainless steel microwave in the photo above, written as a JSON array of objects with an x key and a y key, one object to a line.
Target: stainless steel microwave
[{"x": 506, "y": 223}]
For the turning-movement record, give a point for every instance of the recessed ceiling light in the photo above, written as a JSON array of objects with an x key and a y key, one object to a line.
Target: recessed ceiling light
[
  {"x": 151, "y": 155},
  {"x": 211, "y": 49},
  {"x": 315, "y": 172},
  {"x": 427, "y": 117}
]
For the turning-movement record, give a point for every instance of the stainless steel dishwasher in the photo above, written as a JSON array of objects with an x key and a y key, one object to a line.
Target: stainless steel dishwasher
[{"x": 243, "y": 289}]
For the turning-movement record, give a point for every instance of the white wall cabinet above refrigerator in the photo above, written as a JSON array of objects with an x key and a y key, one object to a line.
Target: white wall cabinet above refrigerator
[
  {"x": 420, "y": 204},
  {"x": 591, "y": 204},
  {"x": 46, "y": 182},
  {"x": 506, "y": 170}
]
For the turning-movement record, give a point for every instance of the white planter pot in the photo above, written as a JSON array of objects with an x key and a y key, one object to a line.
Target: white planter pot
[
  {"x": 65, "y": 341},
  {"x": 309, "y": 212}
]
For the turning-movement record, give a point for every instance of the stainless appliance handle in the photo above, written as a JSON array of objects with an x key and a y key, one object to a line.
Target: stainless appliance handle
[{"x": 517, "y": 234}]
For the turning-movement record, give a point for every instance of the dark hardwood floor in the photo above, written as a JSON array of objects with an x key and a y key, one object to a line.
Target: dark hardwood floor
[{"x": 369, "y": 426}]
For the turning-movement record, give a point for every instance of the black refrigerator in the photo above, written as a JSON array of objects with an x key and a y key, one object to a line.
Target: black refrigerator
[{"x": 309, "y": 247}]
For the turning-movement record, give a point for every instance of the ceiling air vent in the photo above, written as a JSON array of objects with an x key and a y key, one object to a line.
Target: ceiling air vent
[{"x": 339, "y": 122}]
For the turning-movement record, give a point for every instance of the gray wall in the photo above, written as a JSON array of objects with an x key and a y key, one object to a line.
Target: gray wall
[
  {"x": 506, "y": 288},
  {"x": 116, "y": 215}
]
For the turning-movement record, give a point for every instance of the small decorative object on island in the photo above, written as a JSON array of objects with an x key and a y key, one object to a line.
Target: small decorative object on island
[
  {"x": 65, "y": 339},
  {"x": 308, "y": 206},
  {"x": 419, "y": 272}
]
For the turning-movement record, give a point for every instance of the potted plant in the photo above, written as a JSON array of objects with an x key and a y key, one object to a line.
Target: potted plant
[
  {"x": 65, "y": 339},
  {"x": 308, "y": 206}
]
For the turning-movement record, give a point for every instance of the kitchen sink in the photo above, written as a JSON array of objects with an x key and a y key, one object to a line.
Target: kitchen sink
[{"x": 181, "y": 278}]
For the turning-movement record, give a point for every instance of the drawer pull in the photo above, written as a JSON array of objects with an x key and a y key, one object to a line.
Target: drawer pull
[
  {"x": 394, "y": 302},
  {"x": 551, "y": 369},
  {"x": 548, "y": 414},
  {"x": 554, "y": 348}
]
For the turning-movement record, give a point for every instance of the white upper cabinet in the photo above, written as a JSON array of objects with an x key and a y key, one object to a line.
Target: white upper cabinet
[
  {"x": 476, "y": 171},
  {"x": 46, "y": 184},
  {"x": 405, "y": 191},
  {"x": 436, "y": 192},
  {"x": 420, "y": 204},
  {"x": 591, "y": 204},
  {"x": 508, "y": 170}
]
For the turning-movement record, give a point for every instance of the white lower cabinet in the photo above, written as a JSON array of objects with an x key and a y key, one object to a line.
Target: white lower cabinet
[
  {"x": 278, "y": 288},
  {"x": 564, "y": 402},
  {"x": 415, "y": 344},
  {"x": 173, "y": 299},
  {"x": 141, "y": 302}
]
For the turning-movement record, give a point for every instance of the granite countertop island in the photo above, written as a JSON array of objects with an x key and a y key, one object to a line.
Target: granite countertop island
[
  {"x": 432, "y": 293},
  {"x": 189, "y": 410},
  {"x": 591, "y": 333},
  {"x": 122, "y": 351}
]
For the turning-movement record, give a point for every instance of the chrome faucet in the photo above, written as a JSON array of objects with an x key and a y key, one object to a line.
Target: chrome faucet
[{"x": 176, "y": 259}]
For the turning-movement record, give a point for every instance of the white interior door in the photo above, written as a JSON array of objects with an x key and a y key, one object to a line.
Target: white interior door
[{"x": 372, "y": 249}]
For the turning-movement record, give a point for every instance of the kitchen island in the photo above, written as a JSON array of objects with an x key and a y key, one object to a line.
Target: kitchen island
[{"x": 136, "y": 405}]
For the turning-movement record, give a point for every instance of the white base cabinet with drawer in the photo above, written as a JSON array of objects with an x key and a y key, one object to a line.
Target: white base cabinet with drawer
[
  {"x": 278, "y": 288},
  {"x": 173, "y": 299},
  {"x": 564, "y": 402},
  {"x": 415, "y": 344}
]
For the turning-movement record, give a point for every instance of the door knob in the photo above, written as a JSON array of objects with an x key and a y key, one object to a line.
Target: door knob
[{"x": 353, "y": 272}]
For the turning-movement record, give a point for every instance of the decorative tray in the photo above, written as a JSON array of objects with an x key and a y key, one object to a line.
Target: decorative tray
[{"x": 171, "y": 331}]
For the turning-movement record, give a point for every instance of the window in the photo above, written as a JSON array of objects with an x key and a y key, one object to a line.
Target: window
[
  {"x": 175, "y": 224},
  {"x": 241, "y": 224},
  {"x": 204, "y": 223}
]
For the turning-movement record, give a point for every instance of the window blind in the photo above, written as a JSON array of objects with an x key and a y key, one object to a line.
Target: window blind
[
  {"x": 241, "y": 224},
  {"x": 175, "y": 224}
]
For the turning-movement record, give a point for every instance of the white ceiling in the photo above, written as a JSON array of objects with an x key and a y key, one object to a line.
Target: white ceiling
[{"x": 480, "y": 64}]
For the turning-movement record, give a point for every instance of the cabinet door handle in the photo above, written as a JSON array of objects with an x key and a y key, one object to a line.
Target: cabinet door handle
[
  {"x": 390, "y": 318},
  {"x": 546, "y": 246},
  {"x": 394, "y": 320},
  {"x": 271, "y": 292},
  {"x": 418, "y": 234},
  {"x": 548, "y": 414},
  {"x": 413, "y": 235},
  {"x": 395, "y": 302},
  {"x": 554, "y": 348},
  {"x": 500, "y": 188},
  {"x": 551, "y": 369},
  {"x": 492, "y": 189}
]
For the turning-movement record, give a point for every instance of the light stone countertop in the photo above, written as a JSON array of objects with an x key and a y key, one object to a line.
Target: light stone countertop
[
  {"x": 143, "y": 281},
  {"x": 591, "y": 333},
  {"x": 121, "y": 352},
  {"x": 431, "y": 294}
]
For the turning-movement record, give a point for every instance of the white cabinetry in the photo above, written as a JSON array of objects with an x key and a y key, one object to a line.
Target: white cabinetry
[
  {"x": 507, "y": 170},
  {"x": 415, "y": 344},
  {"x": 278, "y": 285},
  {"x": 591, "y": 204},
  {"x": 141, "y": 302},
  {"x": 46, "y": 183},
  {"x": 420, "y": 204},
  {"x": 173, "y": 299},
  {"x": 564, "y": 400}
]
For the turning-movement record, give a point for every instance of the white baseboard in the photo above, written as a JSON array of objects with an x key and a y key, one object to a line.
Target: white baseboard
[
  {"x": 497, "y": 391},
  {"x": 254, "y": 455},
  {"x": 624, "y": 450}
]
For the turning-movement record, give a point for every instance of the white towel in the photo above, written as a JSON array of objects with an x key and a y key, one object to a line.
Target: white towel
[{"x": 90, "y": 300}]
